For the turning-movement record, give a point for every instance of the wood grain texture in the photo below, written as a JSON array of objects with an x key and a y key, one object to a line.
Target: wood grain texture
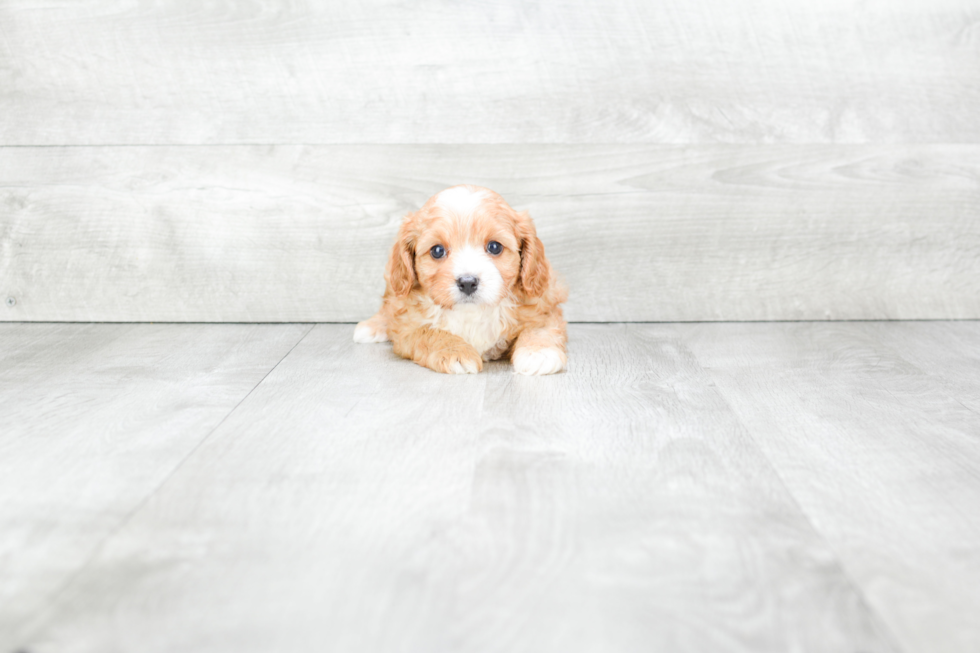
[
  {"x": 356, "y": 501},
  {"x": 949, "y": 352},
  {"x": 95, "y": 417},
  {"x": 569, "y": 71},
  {"x": 640, "y": 233},
  {"x": 880, "y": 454}
]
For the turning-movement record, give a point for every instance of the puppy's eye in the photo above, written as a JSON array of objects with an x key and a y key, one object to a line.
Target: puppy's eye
[
  {"x": 494, "y": 247},
  {"x": 437, "y": 251}
]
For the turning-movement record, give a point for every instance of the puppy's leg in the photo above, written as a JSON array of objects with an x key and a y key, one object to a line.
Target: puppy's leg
[
  {"x": 540, "y": 350},
  {"x": 372, "y": 330},
  {"x": 438, "y": 350}
]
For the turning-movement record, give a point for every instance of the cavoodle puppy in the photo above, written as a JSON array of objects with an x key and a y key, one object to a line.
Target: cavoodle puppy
[{"x": 468, "y": 282}]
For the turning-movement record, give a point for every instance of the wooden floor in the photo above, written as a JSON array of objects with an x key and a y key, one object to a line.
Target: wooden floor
[{"x": 682, "y": 487}]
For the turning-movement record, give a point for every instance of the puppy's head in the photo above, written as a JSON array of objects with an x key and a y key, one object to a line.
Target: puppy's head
[{"x": 466, "y": 245}]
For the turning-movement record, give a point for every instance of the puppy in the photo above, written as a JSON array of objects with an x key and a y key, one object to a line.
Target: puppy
[{"x": 468, "y": 282}]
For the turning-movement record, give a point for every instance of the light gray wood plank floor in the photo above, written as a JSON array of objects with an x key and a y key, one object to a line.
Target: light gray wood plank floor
[
  {"x": 683, "y": 487},
  {"x": 95, "y": 418},
  {"x": 882, "y": 454}
]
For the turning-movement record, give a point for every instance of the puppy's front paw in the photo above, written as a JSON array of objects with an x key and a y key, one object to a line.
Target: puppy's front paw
[
  {"x": 538, "y": 361},
  {"x": 368, "y": 331},
  {"x": 455, "y": 361}
]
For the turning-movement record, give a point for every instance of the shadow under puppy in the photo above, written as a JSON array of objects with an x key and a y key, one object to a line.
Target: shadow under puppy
[{"x": 468, "y": 282}]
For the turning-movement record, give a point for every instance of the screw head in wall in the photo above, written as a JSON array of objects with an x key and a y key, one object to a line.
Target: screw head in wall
[{"x": 11, "y": 302}]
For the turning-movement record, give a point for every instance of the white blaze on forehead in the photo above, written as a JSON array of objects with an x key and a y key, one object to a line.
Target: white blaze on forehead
[{"x": 460, "y": 200}]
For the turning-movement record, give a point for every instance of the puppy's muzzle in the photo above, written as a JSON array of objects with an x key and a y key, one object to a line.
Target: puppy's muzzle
[{"x": 467, "y": 284}]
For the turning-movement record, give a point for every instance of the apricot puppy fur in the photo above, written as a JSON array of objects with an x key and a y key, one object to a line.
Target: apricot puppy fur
[{"x": 468, "y": 282}]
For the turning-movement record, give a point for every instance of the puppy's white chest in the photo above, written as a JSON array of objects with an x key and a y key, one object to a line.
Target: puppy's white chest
[{"x": 483, "y": 327}]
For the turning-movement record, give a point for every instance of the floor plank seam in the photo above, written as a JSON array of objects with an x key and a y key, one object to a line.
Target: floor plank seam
[
  {"x": 887, "y": 633},
  {"x": 941, "y": 387},
  {"x": 31, "y": 628}
]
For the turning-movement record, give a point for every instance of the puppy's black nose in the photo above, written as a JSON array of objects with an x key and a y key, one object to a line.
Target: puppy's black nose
[{"x": 467, "y": 284}]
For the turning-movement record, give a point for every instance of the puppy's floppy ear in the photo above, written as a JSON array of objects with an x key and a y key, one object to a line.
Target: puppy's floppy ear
[
  {"x": 535, "y": 271},
  {"x": 400, "y": 271}
]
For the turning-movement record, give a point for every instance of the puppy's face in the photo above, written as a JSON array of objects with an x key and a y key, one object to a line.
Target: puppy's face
[
  {"x": 465, "y": 246},
  {"x": 467, "y": 251}
]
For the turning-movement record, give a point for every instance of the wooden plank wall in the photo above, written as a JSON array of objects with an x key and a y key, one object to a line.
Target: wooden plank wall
[{"x": 697, "y": 160}]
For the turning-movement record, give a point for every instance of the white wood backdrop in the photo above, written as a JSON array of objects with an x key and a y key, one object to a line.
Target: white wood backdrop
[
  {"x": 698, "y": 160},
  {"x": 501, "y": 71}
]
